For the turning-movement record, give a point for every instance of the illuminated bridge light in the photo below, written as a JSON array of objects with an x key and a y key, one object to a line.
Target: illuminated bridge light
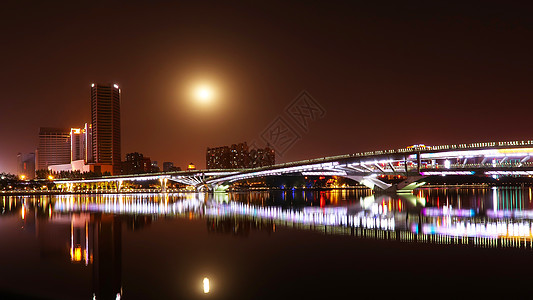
[
  {"x": 444, "y": 173},
  {"x": 520, "y": 214},
  {"x": 436, "y": 212}
]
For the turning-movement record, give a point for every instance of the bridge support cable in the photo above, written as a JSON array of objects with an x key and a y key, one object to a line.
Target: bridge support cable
[
  {"x": 503, "y": 159},
  {"x": 364, "y": 166},
  {"x": 523, "y": 160},
  {"x": 356, "y": 169},
  {"x": 379, "y": 167},
  {"x": 392, "y": 167}
]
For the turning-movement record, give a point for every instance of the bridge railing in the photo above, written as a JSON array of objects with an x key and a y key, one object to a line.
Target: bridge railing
[{"x": 482, "y": 166}]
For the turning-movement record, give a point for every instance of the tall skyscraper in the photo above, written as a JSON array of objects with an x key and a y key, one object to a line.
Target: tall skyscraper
[
  {"x": 54, "y": 147},
  {"x": 105, "y": 123}
]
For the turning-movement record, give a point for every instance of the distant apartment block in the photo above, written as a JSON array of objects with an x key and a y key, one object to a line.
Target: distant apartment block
[
  {"x": 238, "y": 156},
  {"x": 26, "y": 165},
  {"x": 168, "y": 166},
  {"x": 261, "y": 157},
  {"x": 136, "y": 163},
  {"x": 54, "y": 147}
]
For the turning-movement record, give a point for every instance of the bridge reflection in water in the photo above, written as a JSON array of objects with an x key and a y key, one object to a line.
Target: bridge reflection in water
[
  {"x": 91, "y": 225},
  {"x": 486, "y": 218}
]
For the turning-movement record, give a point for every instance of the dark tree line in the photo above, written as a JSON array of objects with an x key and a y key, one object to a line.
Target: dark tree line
[{"x": 7, "y": 180}]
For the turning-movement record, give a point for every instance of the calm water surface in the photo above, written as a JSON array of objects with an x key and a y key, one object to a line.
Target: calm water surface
[{"x": 268, "y": 245}]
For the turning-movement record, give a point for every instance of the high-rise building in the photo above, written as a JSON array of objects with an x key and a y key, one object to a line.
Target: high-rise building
[
  {"x": 168, "y": 166},
  {"x": 54, "y": 147},
  {"x": 228, "y": 157},
  {"x": 26, "y": 165},
  {"x": 261, "y": 157},
  {"x": 238, "y": 156},
  {"x": 88, "y": 143},
  {"x": 80, "y": 144},
  {"x": 77, "y": 144},
  {"x": 155, "y": 167},
  {"x": 136, "y": 163},
  {"x": 218, "y": 158},
  {"x": 105, "y": 123}
]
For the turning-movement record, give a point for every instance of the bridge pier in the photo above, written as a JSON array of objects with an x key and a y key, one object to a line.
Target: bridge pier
[
  {"x": 372, "y": 182},
  {"x": 409, "y": 184},
  {"x": 163, "y": 182}
]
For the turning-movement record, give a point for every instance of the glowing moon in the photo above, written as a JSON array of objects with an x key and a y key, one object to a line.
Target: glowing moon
[{"x": 204, "y": 93}]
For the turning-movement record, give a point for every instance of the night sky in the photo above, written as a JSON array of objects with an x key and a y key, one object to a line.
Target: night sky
[{"x": 386, "y": 75}]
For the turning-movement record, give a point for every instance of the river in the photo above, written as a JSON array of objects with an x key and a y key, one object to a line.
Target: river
[{"x": 268, "y": 244}]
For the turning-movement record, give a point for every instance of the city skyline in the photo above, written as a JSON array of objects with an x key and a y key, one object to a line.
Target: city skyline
[
  {"x": 386, "y": 76},
  {"x": 265, "y": 149}
]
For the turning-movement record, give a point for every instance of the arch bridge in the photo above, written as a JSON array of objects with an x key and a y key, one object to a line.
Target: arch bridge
[{"x": 414, "y": 163}]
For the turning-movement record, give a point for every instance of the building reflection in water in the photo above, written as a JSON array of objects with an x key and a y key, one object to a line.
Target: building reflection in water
[
  {"x": 96, "y": 240},
  {"x": 91, "y": 239},
  {"x": 88, "y": 229},
  {"x": 107, "y": 253},
  {"x": 79, "y": 239},
  {"x": 236, "y": 226}
]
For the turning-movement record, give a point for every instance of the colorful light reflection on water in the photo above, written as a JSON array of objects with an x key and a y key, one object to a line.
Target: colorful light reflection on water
[{"x": 95, "y": 231}]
